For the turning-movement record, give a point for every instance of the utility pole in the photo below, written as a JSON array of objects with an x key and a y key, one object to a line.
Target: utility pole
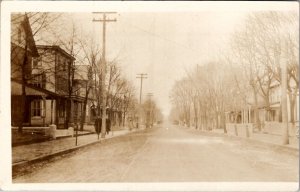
[
  {"x": 149, "y": 115},
  {"x": 141, "y": 76},
  {"x": 284, "y": 111},
  {"x": 104, "y": 20}
]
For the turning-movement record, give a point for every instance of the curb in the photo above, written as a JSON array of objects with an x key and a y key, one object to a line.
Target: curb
[
  {"x": 67, "y": 136},
  {"x": 276, "y": 147},
  {"x": 47, "y": 139},
  {"x": 19, "y": 165}
]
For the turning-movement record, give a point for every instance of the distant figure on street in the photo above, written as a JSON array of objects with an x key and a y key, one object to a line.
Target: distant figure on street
[
  {"x": 108, "y": 125},
  {"x": 98, "y": 124}
]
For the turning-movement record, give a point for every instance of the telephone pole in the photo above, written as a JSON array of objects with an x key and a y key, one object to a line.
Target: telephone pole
[
  {"x": 104, "y": 20},
  {"x": 149, "y": 112},
  {"x": 141, "y": 76},
  {"x": 284, "y": 111}
]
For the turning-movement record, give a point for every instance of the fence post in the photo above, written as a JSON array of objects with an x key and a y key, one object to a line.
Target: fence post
[
  {"x": 52, "y": 131},
  {"x": 247, "y": 131},
  {"x": 71, "y": 131}
]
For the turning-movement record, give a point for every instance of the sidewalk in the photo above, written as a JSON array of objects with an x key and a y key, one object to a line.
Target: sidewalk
[
  {"x": 21, "y": 155},
  {"x": 266, "y": 138}
]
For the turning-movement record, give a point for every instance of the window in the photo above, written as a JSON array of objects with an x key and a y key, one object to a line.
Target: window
[
  {"x": 39, "y": 80},
  {"x": 37, "y": 108},
  {"x": 36, "y": 62},
  {"x": 61, "y": 111},
  {"x": 19, "y": 35},
  {"x": 64, "y": 65}
]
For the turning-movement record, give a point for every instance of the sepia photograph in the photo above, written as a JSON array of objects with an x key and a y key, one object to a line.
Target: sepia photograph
[{"x": 149, "y": 96}]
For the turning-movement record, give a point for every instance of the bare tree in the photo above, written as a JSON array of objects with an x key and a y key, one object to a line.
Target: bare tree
[
  {"x": 91, "y": 56},
  {"x": 262, "y": 45}
]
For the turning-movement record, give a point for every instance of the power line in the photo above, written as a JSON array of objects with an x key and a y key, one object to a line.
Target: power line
[{"x": 163, "y": 38}]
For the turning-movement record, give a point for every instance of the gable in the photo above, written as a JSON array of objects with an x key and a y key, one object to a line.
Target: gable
[{"x": 20, "y": 30}]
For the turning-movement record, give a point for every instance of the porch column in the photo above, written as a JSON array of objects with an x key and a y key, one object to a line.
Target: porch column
[
  {"x": 72, "y": 110},
  {"x": 243, "y": 116},
  {"x": 44, "y": 109},
  {"x": 54, "y": 112},
  {"x": 51, "y": 118},
  {"x": 249, "y": 114}
]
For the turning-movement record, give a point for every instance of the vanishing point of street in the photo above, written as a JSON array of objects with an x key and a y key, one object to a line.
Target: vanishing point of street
[{"x": 170, "y": 153}]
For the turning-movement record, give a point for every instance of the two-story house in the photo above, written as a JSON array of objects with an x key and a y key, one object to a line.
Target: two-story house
[
  {"x": 84, "y": 91},
  {"x": 43, "y": 85},
  {"x": 53, "y": 72},
  {"x": 275, "y": 101},
  {"x": 23, "y": 56}
]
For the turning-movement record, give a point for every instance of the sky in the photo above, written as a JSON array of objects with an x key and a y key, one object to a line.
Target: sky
[
  {"x": 164, "y": 40},
  {"x": 163, "y": 45}
]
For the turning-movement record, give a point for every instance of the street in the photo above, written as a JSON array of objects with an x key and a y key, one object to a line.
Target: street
[{"x": 170, "y": 153}]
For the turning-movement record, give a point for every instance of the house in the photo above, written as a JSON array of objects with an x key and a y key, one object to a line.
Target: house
[
  {"x": 24, "y": 54},
  {"x": 275, "y": 102},
  {"x": 40, "y": 80},
  {"x": 115, "y": 109},
  {"x": 53, "y": 72},
  {"x": 269, "y": 117},
  {"x": 84, "y": 88}
]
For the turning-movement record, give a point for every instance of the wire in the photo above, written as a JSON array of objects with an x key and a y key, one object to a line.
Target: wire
[{"x": 163, "y": 38}]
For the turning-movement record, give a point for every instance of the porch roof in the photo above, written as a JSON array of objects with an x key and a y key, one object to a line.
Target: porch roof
[
  {"x": 275, "y": 105},
  {"x": 16, "y": 89}
]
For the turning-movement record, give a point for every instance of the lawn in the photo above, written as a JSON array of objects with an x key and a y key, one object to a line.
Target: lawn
[{"x": 27, "y": 137}]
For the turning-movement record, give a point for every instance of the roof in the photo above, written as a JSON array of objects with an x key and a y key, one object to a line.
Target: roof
[
  {"x": 56, "y": 48},
  {"x": 274, "y": 83},
  {"x": 20, "y": 19},
  {"x": 81, "y": 72},
  {"x": 30, "y": 90}
]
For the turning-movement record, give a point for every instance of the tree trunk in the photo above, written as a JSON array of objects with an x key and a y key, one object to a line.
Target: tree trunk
[
  {"x": 256, "y": 112},
  {"x": 235, "y": 124},
  {"x": 83, "y": 113},
  {"x": 68, "y": 108},
  {"x": 223, "y": 122},
  {"x": 124, "y": 118},
  {"x": 292, "y": 98},
  {"x": 205, "y": 120},
  {"x": 23, "y": 111},
  {"x": 284, "y": 111},
  {"x": 69, "y": 119},
  {"x": 189, "y": 117},
  {"x": 23, "y": 97},
  {"x": 196, "y": 115},
  {"x": 217, "y": 124}
]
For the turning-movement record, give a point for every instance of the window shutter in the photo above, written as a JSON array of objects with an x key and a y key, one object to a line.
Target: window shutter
[
  {"x": 32, "y": 108},
  {"x": 42, "y": 103}
]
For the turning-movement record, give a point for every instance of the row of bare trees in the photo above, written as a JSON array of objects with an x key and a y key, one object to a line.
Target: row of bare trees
[
  {"x": 151, "y": 112},
  {"x": 241, "y": 75},
  {"x": 120, "y": 92}
]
